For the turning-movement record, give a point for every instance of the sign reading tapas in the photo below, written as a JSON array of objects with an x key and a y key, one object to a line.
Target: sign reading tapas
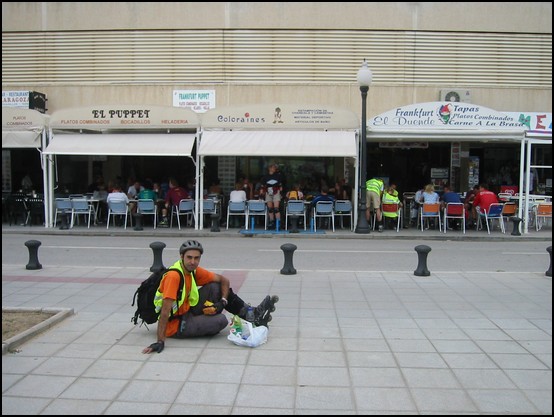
[{"x": 439, "y": 115}]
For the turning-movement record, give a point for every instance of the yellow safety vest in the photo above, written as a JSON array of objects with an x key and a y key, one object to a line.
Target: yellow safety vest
[
  {"x": 375, "y": 185},
  {"x": 193, "y": 296}
]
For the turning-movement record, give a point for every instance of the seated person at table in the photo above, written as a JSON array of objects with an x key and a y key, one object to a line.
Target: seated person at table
[
  {"x": 483, "y": 200},
  {"x": 449, "y": 196},
  {"x": 175, "y": 194},
  {"x": 322, "y": 196},
  {"x": 468, "y": 204},
  {"x": 147, "y": 193},
  {"x": 390, "y": 195},
  {"x": 117, "y": 194},
  {"x": 295, "y": 193},
  {"x": 238, "y": 195}
]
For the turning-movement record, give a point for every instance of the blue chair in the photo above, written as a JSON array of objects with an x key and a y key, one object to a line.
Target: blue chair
[
  {"x": 237, "y": 208},
  {"x": 185, "y": 208},
  {"x": 493, "y": 213},
  {"x": 343, "y": 208},
  {"x": 295, "y": 208},
  {"x": 63, "y": 206},
  {"x": 118, "y": 208},
  {"x": 148, "y": 207},
  {"x": 80, "y": 207},
  {"x": 324, "y": 209},
  {"x": 256, "y": 208}
]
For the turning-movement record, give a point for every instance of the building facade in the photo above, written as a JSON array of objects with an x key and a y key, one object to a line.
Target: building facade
[{"x": 494, "y": 55}]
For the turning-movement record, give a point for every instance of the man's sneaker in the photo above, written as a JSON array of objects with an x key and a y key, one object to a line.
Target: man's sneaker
[
  {"x": 163, "y": 223},
  {"x": 262, "y": 314},
  {"x": 380, "y": 228}
]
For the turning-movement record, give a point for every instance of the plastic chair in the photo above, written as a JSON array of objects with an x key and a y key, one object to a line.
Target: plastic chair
[
  {"x": 63, "y": 206},
  {"x": 509, "y": 210},
  {"x": 256, "y": 208},
  {"x": 493, "y": 213},
  {"x": 295, "y": 208},
  {"x": 118, "y": 208},
  {"x": 80, "y": 207},
  {"x": 324, "y": 209},
  {"x": 237, "y": 208},
  {"x": 543, "y": 213},
  {"x": 185, "y": 208},
  {"x": 343, "y": 208},
  {"x": 430, "y": 211},
  {"x": 454, "y": 211},
  {"x": 392, "y": 208},
  {"x": 148, "y": 207}
]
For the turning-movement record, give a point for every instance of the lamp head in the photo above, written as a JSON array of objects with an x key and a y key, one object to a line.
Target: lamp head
[{"x": 364, "y": 75}]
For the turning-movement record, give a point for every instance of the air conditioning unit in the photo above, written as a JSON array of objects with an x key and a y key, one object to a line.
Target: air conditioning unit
[{"x": 454, "y": 95}]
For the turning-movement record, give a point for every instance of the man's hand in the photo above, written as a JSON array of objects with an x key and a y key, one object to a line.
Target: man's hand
[{"x": 155, "y": 347}]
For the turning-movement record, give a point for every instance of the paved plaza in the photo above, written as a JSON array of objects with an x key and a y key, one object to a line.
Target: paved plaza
[{"x": 356, "y": 331}]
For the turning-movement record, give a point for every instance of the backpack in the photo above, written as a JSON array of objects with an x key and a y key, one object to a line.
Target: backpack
[{"x": 145, "y": 293}]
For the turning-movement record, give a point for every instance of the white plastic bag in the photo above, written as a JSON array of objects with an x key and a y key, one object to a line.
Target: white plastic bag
[{"x": 243, "y": 333}]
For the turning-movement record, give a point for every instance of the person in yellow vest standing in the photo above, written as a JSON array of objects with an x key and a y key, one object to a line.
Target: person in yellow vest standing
[{"x": 374, "y": 187}]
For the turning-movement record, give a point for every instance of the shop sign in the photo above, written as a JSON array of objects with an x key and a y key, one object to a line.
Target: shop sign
[
  {"x": 536, "y": 122},
  {"x": 199, "y": 101},
  {"x": 443, "y": 115}
]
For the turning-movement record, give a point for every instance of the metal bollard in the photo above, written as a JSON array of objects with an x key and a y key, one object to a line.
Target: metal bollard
[
  {"x": 549, "y": 272},
  {"x": 138, "y": 221},
  {"x": 33, "y": 254},
  {"x": 422, "y": 251},
  {"x": 64, "y": 225},
  {"x": 294, "y": 223},
  {"x": 215, "y": 222},
  {"x": 157, "y": 249},
  {"x": 288, "y": 250},
  {"x": 516, "y": 221}
]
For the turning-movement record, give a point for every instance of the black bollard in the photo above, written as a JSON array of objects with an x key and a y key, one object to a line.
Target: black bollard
[
  {"x": 64, "y": 225},
  {"x": 33, "y": 254},
  {"x": 288, "y": 250},
  {"x": 516, "y": 221},
  {"x": 422, "y": 251},
  {"x": 157, "y": 249},
  {"x": 549, "y": 272},
  {"x": 294, "y": 224},
  {"x": 215, "y": 222},
  {"x": 138, "y": 221}
]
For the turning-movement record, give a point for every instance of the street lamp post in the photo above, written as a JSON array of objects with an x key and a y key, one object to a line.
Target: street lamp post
[{"x": 364, "y": 80}]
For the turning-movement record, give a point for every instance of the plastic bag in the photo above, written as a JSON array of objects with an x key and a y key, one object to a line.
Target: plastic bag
[{"x": 244, "y": 333}]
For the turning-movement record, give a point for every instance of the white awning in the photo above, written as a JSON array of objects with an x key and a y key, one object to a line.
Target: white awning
[
  {"x": 446, "y": 135},
  {"x": 278, "y": 143},
  {"x": 131, "y": 144},
  {"x": 21, "y": 139}
]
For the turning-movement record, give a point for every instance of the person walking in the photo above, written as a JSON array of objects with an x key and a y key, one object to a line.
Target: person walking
[{"x": 273, "y": 185}]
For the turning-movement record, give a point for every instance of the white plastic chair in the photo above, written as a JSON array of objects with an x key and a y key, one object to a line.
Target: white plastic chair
[
  {"x": 295, "y": 208},
  {"x": 430, "y": 211},
  {"x": 256, "y": 208},
  {"x": 80, "y": 207},
  {"x": 324, "y": 209},
  {"x": 63, "y": 206},
  {"x": 493, "y": 213},
  {"x": 185, "y": 208},
  {"x": 343, "y": 208},
  {"x": 454, "y": 211},
  {"x": 118, "y": 208},
  {"x": 237, "y": 208},
  {"x": 147, "y": 207}
]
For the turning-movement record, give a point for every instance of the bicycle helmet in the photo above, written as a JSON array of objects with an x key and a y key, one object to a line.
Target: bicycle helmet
[{"x": 191, "y": 244}]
